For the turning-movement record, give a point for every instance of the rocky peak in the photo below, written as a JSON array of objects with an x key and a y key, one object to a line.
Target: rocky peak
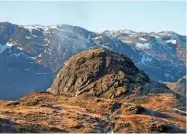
[{"x": 101, "y": 73}]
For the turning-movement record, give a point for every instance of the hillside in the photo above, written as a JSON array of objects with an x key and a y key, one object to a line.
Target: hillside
[
  {"x": 44, "y": 112},
  {"x": 97, "y": 91}
]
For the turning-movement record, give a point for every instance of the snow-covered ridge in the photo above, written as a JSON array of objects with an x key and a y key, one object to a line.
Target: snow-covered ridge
[
  {"x": 115, "y": 33},
  {"x": 127, "y": 31},
  {"x": 38, "y": 27},
  {"x": 4, "y": 47},
  {"x": 45, "y": 28}
]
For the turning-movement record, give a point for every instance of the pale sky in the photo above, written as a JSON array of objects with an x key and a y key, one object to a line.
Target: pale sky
[{"x": 99, "y": 16}]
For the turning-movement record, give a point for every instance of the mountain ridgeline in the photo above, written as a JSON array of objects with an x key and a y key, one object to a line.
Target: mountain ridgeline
[{"x": 31, "y": 56}]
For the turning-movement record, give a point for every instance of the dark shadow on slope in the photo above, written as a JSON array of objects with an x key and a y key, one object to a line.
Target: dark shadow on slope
[
  {"x": 7, "y": 126},
  {"x": 156, "y": 113}
]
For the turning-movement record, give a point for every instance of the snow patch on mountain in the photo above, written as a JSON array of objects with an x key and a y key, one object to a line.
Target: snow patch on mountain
[
  {"x": 40, "y": 27},
  {"x": 31, "y": 27},
  {"x": 143, "y": 39},
  {"x": 27, "y": 37},
  {"x": 146, "y": 59},
  {"x": 6, "y": 46},
  {"x": 98, "y": 37},
  {"x": 172, "y": 41},
  {"x": 115, "y": 33},
  {"x": 143, "y": 45},
  {"x": 19, "y": 48},
  {"x": 9, "y": 44},
  {"x": 53, "y": 27}
]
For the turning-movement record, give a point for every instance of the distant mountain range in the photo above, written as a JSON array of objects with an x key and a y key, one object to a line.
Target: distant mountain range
[{"x": 30, "y": 56}]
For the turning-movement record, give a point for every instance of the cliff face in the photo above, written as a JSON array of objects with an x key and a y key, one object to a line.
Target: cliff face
[{"x": 103, "y": 73}]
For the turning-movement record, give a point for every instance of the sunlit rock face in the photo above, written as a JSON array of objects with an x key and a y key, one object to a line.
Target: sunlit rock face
[{"x": 103, "y": 73}]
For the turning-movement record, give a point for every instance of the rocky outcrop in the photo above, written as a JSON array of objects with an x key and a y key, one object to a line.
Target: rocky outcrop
[
  {"x": 102, "y": 73},
  {"x": 78, "y": 100},
  {"x": 179, "y": 86}
]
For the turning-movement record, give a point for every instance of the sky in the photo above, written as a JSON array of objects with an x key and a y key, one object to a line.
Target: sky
[{"x": 147, "y": 16}]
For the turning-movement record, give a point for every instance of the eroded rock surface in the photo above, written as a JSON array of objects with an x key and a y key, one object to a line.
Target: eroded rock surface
[{"x": 103, "y": 73}]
